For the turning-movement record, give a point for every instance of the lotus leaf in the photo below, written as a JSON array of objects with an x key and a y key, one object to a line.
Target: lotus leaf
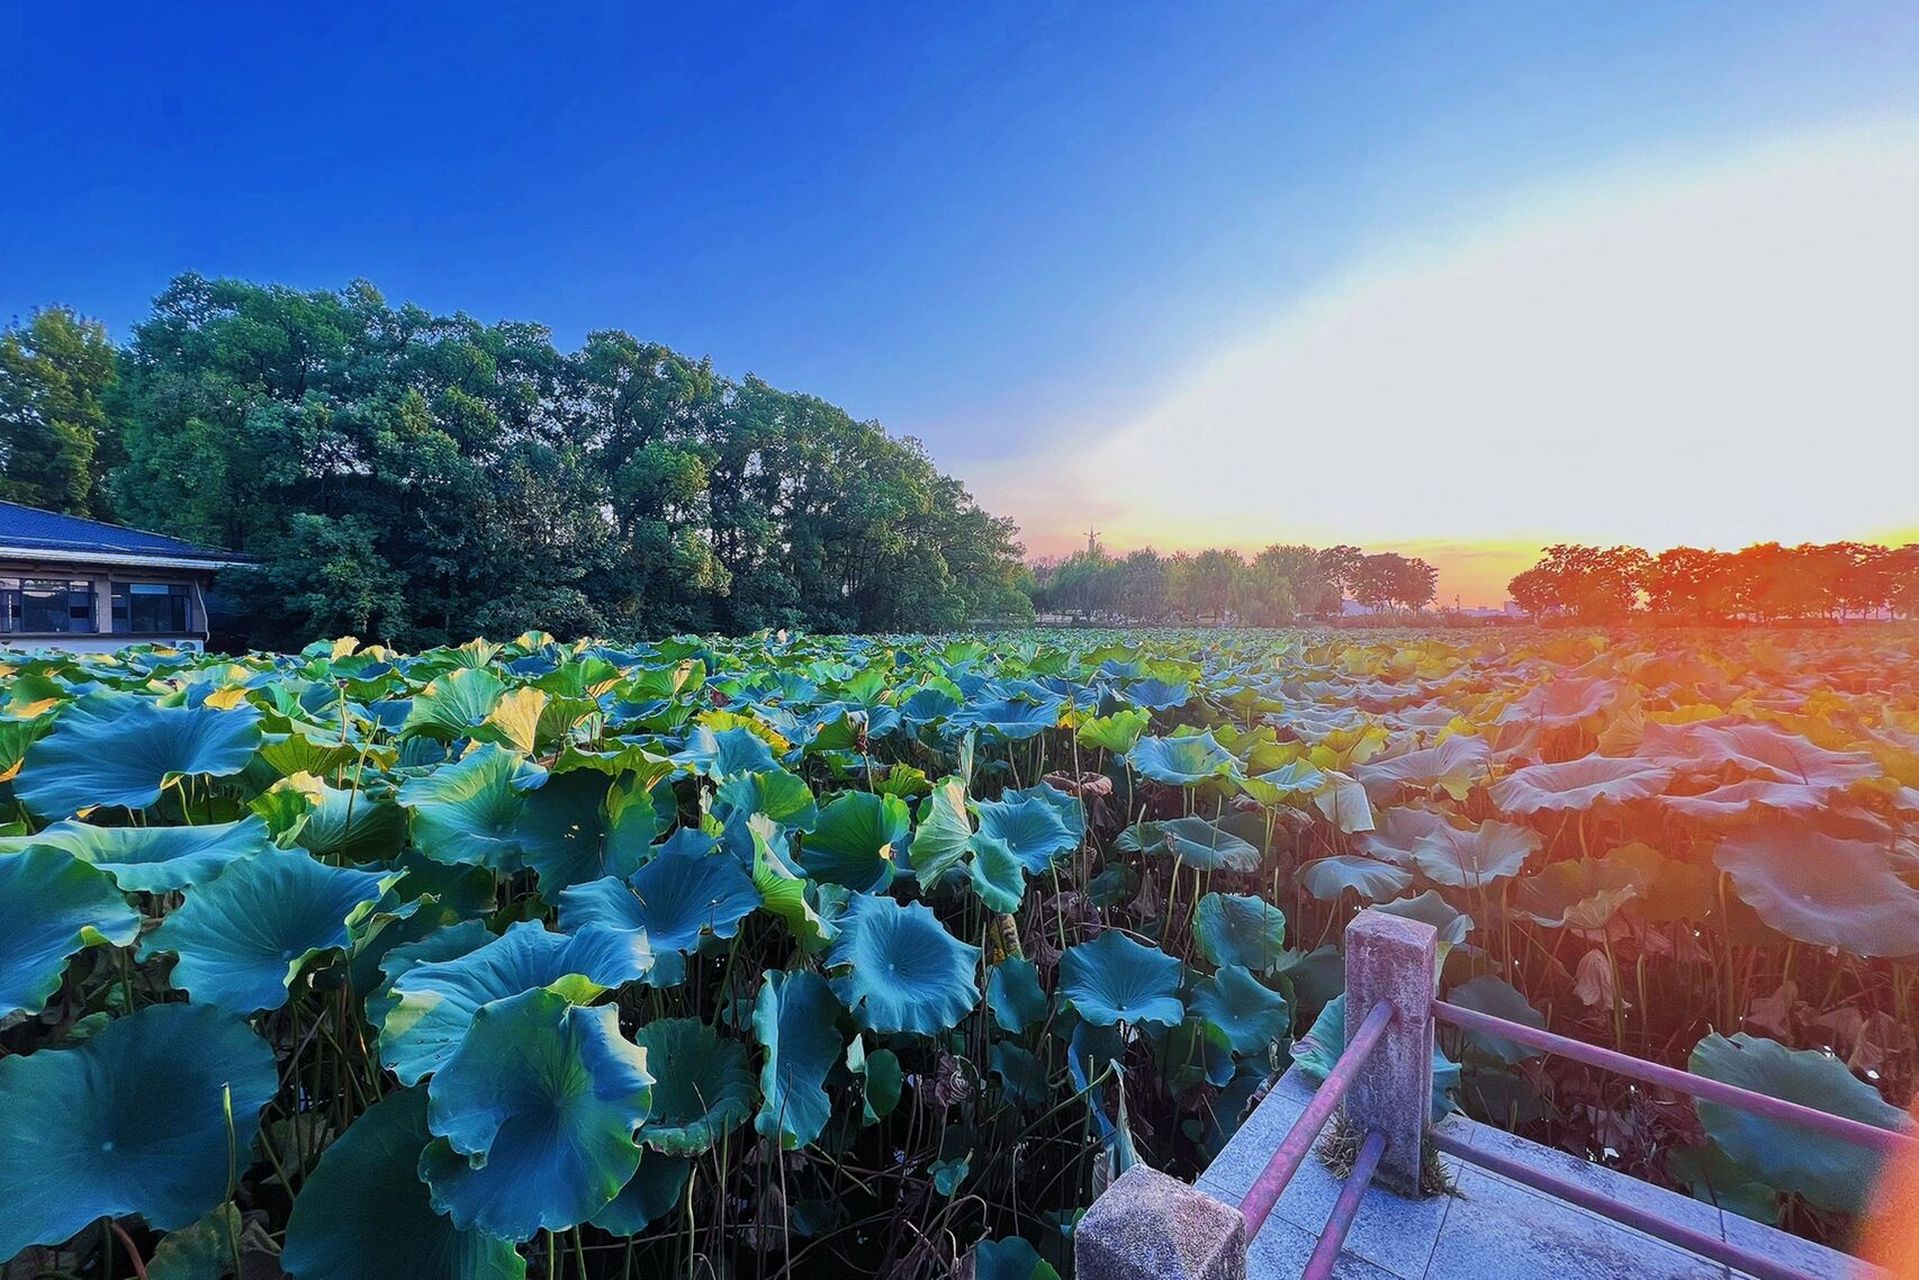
[
  {"x": 1253, "y": 1017},
  {"x": 575, "y": 828},
  {"x": 679, "y": 899},
  {"x": 154, "y": 859},
  {"x": 1430, "y": 908},
  {"x": 57, "y": 905},
  {"x": 1495, "y": 996},
  {"x": 1319, "y": 1050},
  {"x": 364, "y": 1213},
  {"x": 1113, "y": 979},
  {"x": 795, "y": 1021},
  {"x": 856, "y": 841},
  {"x": 1006, "y": 719},
  {"x": 1010, "y": 1259},
  {"x": 1013, "y": 993},
  {"x": 1236, "y": 929},
  {"x": 434, "y": 1002},
  {"x": 245, "y": 935},
  {"x": 648, "y": 1196},
  {"x": 1033, "y": 829},
  {"x": 1469, "y": 857},
  {"x": 1822, "y": 889},
  {"x": 1830, "y": 1172},
  {"x": 776, "y": 794},
  {"x": 1579, "y": 784},
  {"x": 1580, "y": 894},
  {"x": 900, "y": 970},
  {"x": 113, "y": 751},
  {"x": 1369, "y": 880},
  {"x": 81, "y": 1136},
  {"x": 454, "y": 706},
  {"x": 1738, "y": 801},
  {"x": 998, "y": 877},
  {"x": 465, "y": 812},
  {"x": 1206, "y": 846},
  {"x": 1182, "y": 762},
  {"x": 703, "y": 1086},
  {"x": 1115, "y": 733},
  {"x": 536, "y": 1113},
  {"x": 1453, "y": 766}
]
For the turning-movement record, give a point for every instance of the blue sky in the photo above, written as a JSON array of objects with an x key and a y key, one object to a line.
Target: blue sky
[{"x": 998, "y": 229}]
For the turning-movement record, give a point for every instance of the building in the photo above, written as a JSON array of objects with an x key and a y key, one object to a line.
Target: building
[{"x": 87, "y": 586}]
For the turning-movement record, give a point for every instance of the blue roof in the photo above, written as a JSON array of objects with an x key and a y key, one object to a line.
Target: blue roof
[{"x": 30, "y": 529}]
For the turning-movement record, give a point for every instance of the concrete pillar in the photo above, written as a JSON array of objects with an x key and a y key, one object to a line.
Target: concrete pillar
[
  {"x": 1147, "y": 1226},
  {"x": 1393, "y": 959}
]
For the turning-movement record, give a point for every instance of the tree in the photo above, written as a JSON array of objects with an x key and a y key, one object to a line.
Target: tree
[{"x": 56, "y": 442}]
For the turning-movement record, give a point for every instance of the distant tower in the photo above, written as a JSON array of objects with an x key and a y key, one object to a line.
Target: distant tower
[{"x": 1092, "y": 539}]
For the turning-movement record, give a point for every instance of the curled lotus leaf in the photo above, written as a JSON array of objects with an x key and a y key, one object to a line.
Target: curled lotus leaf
[
  {"x": 998, "y": 877},
  {"x": 857, "y": 841},
  {"x": 1183, "y": 761},
  {"x": 466, "y": 812},
  {"x": 1206, "y": 845},
  {"x": 1014, "y": 995},
  {"x": 898, "y": 969},
  {"x": 1429, "y": 908},
  {"x": 795, "y": 1020},
  {"x": 1580, "y": 893},
  {"x": 945, "y": 829},
  {"x": 1822, "y": 889},
  {"x": 455, "y": 705},
  {"x": 1453, "y": 766},
  {"x": 121, "y": 751},
  {"x": 1239, "y": 929},
  {"x": 242, "y": 937},
  {"x": 535, "y": 1115},
  {"x": 1398, "y": 832},
  {"x": 726, "y": 752},
  {"x": 1757, "y": 751},
  {"x": 154, "y": 859},
  {"x": 678, "y": 898},
  {"x": 57, "y": 905},
  {"x": 1006, "y": 719},
  {"x": 1294, "y": 782},
  {"x": 434, "y": 1003},
  {"x": 1579, "y": 784},
  {"x": 1830, "y": 1172},
  {"x": 1253, "y": 1016},
  {"x": 364, "y": 1214},
  {"x": 703, "y": 1086},
  {"x": 447, "y": 941},
  {"x": 1367, "y": 879},
  {"x": 576, "y": 827},
  {"x": 648, "y": 1196},
  {"x": 1560, "y": 702},
  {"x": 1742, "y": 801},
  {"x": 1113, "y": 979},
  {"x": 1493, "y": 995},
  {"x": 1032, "y": 829},
  {"x": 1115, "y": 733},
  {"x": 82, "y": 1136},
  {"x": 1470, "y": 856}
]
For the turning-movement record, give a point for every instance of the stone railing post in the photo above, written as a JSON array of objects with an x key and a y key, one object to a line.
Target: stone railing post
[
  {"x": 1147, "y": 1226},
  {"x": 1393, "y": 959}
]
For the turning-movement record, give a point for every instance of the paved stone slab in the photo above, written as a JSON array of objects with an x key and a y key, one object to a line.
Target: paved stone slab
[
  {"x": 1282, "y": 1250},
  {"x": 1611, "y": 1183},
  {"x": 1797, "y": 1251}
]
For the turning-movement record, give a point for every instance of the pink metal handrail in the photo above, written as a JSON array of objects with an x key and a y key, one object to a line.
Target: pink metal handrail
[
  {"x": 1345, "y": 1209},
  {"x": 1872, "y": 1137},
  {"x": 1266, "y": 1189}
]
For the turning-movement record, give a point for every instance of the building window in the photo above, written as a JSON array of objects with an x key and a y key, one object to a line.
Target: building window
[
  {"x": 148, "y": 608},
  {"x": 45, "y": 606}
]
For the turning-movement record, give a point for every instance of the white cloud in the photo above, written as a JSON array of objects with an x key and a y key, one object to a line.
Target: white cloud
[{"x": 1714, "y": 358}]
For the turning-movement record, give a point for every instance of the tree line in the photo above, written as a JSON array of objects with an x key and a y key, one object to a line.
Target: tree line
[
  {"x": 1279, "y": 585},
  {"x": 416, "y": 479},
  {"x": 1765, "y": 582}
]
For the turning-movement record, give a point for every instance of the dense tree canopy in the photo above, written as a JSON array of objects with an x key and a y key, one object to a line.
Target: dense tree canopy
[
  {"x": 1280, "y": 585},
  {"x": 1765, "y": 582},
  {"x": 415, "y": 478}
]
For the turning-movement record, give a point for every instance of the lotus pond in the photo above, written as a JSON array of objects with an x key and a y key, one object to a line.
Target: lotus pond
[{"x": 882, "y": 956}]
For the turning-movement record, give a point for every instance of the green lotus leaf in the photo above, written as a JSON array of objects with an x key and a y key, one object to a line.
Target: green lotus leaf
[
  {"x": 1366, "y": 878},
  {"x": 1194, "y": 1053},
  {"x": 856, "y": 842},
  {"x": 881, "y": 1079},
  {"x": 1453, "y": 766},
  {"x": 1830, "y": 1172},
  {"x": 1398, "y": 831},
  {"x": 56, "y": 906},
  {"x": 1294, "y": 782},
  {"x": 1822, "y": 889},
  {"x": 443, "y": 942},
  {"x": 1253, "y": 1016},
  {"x": 648, "y": 1196},
  {"x": 434, "y": 1002},
  {"x": 243, "y": 936},
  {"x": 776, "y": 794},
  {"x": 1182, "y": 762},
  {"x": 202, "y": 1251},
  {"x": 120, "y": 751},
  {"x": 576, "y": 828},
  {"x": 1318, "y": 1051},
  {"x": 679, "y": 899},
  {"x": 1490, "y": 994},
  {"x": 153, "y": 859},
  {"x": 1237, "y": 929},
  {"x": 795, "y": 1020},
  {"x": 998, "y": 877},
  {"x": 1010, "y": 1259},
  {"x": 1006, "y": 719},
  {"x": 1070, "y": 808},
  {"x": 944, "y": 830},
  {"x": 704, "y": 1087},
  {"x": 454, "y": 706},
  {"x": 348, "y": 825},
  {"x": 1116, "y": 733},
  {"x": 135, "y": 1119},
  {"x": 1429, "y": 908},
  {"x": 792, "y": 897},
  {"x": 1113, "y": 979},
  {"x": 900, "y": 970},
  {"x": 1579, "y": 893},
  {"x": 364, "y": 1214},
  {"x": 536, "y": 1113},
  {"x": 1021, "y": 1074},
  {"x": 1669, "y": 889},
  {"x": 1032, "y": 830},
  {"x": 1344, "y": 802},
  {"x": 466, "y": 812},
  {"x": 1579, "y": 784},
  {"x": 1469, "y": 857},
  {"x": 725, "y": 753},
  {"x": 1013, "y": 993}
]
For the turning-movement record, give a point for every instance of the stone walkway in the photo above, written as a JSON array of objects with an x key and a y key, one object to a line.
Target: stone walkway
[{"x": 1494, "y": 1228}]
